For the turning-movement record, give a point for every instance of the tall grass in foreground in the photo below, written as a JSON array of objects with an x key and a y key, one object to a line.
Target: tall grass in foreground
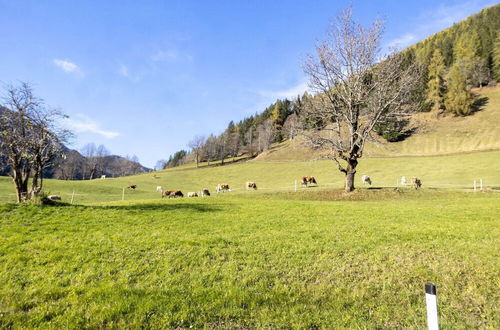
[{"x": 260, "y": 260}]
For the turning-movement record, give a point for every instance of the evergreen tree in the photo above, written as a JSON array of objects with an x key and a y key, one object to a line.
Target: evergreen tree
[
  {"x": 435, "y": 84},
  {"x": 458, "y": 99},
  {"x": 468, "y": 46},
  {"x": 496, "y": 57}
]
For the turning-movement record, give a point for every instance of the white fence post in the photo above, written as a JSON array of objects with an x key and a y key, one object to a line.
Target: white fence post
[
  {"x": 295, "y": 185},
  {"x": 474, "y": 185},
  {"x": 431, "y": 302},
  {"x": 72, "y": 197},
  {"x": 481, "y": 184},
  {"x": 123, "y": 194}
]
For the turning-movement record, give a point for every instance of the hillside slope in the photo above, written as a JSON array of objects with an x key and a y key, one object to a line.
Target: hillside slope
[{"x": 433, "y": 136}]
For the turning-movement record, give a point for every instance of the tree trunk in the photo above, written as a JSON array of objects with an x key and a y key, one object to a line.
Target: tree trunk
[
  {"x": 349, "y": 175},
  {"x": 21, "y": 181}
]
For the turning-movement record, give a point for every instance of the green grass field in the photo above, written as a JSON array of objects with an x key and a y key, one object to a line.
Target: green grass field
[
  {"x": 453, "y": 171},
  {"x": 269, "y": 260},
  {"x": 272, "y": 258}
]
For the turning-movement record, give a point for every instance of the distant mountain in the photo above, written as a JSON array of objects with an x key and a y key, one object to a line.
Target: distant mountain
[{"x": 74, "y": 166}]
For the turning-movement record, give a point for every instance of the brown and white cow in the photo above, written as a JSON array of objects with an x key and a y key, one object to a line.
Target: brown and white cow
[
  {"x": 171, "y": 193},
  {"x": 221, "y": 187},
  {"x": 205, "y": 192},
  {"x": 176, "y": 193},
  {"x": 416, "y": 182},
  {"x": 192, "y": 194},
  {"x": 132, "y": 187},
  {"x": 308, "y": 180},
  {"x": 251, "y": 185}
]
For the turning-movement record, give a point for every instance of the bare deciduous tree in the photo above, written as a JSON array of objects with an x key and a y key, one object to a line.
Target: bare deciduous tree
[
  {"x": 196, "y": 146},
  {"x": 89, "y": 151},
  {"x": 30, "y": 138},
  {"x": 265, "y": 135},
  {"x": 250, "y": 142},
  {"x": 291, "y": 126},
  {"x": 354, "y": 89}
]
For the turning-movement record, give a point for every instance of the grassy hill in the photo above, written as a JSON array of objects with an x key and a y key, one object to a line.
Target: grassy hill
[{"x": 433, "y": 135}]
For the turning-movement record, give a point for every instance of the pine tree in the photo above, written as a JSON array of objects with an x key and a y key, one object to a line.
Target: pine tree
[
  {"x": 435, "y": 84},
  {"x": 458, "y": 99},
  {"x": 496, "y": 57},
  {"x": 468, "y": 46}
]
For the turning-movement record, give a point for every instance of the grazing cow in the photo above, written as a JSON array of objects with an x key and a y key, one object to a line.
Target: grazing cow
[
  {"x": 133, "y": 187},
  {"x": 54, "y": 197},
  {"x": 166, "y": 193},
  {"x": 192, "y": 194},
  {"x": 416, "y": 182},
  {"x": 103, "y": 177},
  {"x": 159, "y": 188},
  {"x": 308, "y": 180},
  {"x": 221, "y": 187},
  {"x": 205, "y": 192},
  {"x": 251, "y": 185},
  {"x": 403, "y": 180},
  {"x": 366, "y": 180},
  {"x": 176, "y": 193}
]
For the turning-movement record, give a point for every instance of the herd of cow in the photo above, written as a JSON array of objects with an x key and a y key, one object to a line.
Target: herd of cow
[{"x": 223, "y": 187}]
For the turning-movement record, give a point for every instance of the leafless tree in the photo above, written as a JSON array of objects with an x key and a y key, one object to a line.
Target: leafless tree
[
  {"x": 102, "y": 160},
  {"x": 250, "y": 142},
  {"x": 355, "y": 88},
  {"x": 479, "y": 73},
  {"x": 30, "y": 138},
  {"x": 265, "y": 135},
  {"x": 134, "y": 167},
  {"x": 222, "y": 146},
  {"x": 89, "y": 151},
  {"x": 196, "y": 146},
  {"x": 210, "y": 149},
  {"x": 69, "y": 166},
  {"x": 233, "y": 144},
  {"x": 291, "y": 126}
]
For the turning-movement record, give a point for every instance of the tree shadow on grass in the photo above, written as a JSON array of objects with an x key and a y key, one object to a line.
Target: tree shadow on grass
[
  {"x": 140, "y": 206},
  {"x": 161, "y": 207},
  {"x": 479, "y": 104}
]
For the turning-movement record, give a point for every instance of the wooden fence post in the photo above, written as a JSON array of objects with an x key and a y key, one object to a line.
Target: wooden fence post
[
  {"x": 295, "y": 185},
  {"x": 72, "y": 197},
  {"x": 123, "y": 194},
  {"x": 474, "y": 185}
]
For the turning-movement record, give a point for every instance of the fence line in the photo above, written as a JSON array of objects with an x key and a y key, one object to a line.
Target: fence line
[{"x": 293, "y": 187}]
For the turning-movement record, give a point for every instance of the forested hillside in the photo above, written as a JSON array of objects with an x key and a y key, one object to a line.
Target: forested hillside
[{"x": 453, "y": 62}]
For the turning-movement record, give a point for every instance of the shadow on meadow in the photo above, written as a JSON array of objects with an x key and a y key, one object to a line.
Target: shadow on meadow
[
  {"x": 195, "y": 207},
  {"x": 160, "y": 207}
]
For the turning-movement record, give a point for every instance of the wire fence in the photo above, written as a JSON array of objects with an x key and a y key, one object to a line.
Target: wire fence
[{"x": 123, "y": 194}]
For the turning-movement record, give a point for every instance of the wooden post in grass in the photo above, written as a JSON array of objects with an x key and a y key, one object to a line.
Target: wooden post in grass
[
  {"x": 431, "y": 302},
  {"x": 123, "y": 194},
  {"x": 474, "y": 185},
  {"x": 481, "y": 184},
  {"x": 72, "y": 197},
  {"x": 295, "y": 185}
]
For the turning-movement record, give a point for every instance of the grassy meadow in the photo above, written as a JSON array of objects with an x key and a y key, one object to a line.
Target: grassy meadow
[
  {"x": 451, "y": 171},
  {"x": 315, "y": 259},
  {"x": 271, "y": 258}
]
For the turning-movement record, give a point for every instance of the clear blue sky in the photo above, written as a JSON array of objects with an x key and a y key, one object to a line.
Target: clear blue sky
[{"x": 144, "y": 77}]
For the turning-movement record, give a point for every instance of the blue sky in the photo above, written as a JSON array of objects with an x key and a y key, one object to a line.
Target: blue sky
[{"x": 144, "y": 77}]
